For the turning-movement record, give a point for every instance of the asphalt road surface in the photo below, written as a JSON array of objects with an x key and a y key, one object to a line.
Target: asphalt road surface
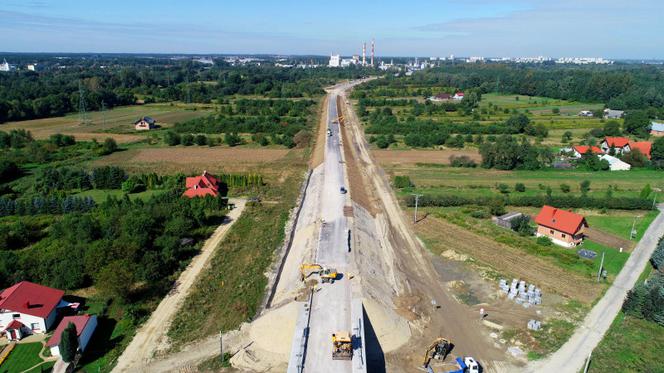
[{"x": 330, "y": 311}]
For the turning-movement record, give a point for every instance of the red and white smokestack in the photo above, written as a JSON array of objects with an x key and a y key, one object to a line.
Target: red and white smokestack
[
  {"x": 372, "y": 52},
  {"x": 364, "y": 54}
]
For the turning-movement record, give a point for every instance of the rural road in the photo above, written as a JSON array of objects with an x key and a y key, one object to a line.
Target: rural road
[
  {"x": 571, "y": 357},
  {"x": 152, "y": 335},
  {"x": 330, "y": 310}
]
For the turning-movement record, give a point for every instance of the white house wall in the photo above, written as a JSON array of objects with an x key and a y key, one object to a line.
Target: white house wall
[{"x": 27, "y": 320}]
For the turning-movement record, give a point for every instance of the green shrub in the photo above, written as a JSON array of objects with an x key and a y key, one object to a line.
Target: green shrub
[
  {"x": 520, "y": 187},
  {"x": 544, "y": 241},
  {"x": 402, "y": 181}
]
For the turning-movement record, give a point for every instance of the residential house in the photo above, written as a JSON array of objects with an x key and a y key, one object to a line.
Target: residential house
[
  {"x": 145, "y": 124},
  {"x": 642, "y": 146},
  {"x": 615, "y": 164},
  {"x": 579, "y": 150},
  {"x": 27, "y": 308},
  {"x": 564, "y": 228},
  {"x": 613, "y": 114},
  {"x": 202, "y": 186},
  {"x": 458, "y": 96},
  {"x": 441, "y": 97},
  {"x": 85, "y": 327},
  {"x": 657, "y": 129},
  {"x": 620, "y": 144},
  {"x": 6, "y": 67}
]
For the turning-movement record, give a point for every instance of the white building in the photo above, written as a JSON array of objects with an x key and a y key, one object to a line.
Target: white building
[
  {"x": 6, "y": 67},
  {"x": 28, "y": 308},
  {"x": 615, "y": 164},
  {"x": 335, "y": 61},
  {"x": 85, "y": 327}
]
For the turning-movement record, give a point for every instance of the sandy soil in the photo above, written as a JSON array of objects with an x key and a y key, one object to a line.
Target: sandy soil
[
  {"x": 508, "y": 260},
  {"x": 412, "y": 157},
  {"x": 151, "y": 337},
  {"x": 189, "y": 159}
]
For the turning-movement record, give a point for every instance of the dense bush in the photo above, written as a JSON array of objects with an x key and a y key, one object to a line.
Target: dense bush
[
  {"x": 402, "y": 181},
  {"x": 462, "y": 161},
  {"x": 617, "y": 203}
]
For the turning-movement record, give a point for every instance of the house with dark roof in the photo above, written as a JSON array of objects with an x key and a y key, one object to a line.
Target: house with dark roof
[
  {"x": 85, "y": 327},
  {"x": 202, "y": 186},
  {"x": 27, "y": 308},
  {"x": 441, "y": 97},
  {"x": 563, "y": 227},
  {"x": 145, "y": 124}
]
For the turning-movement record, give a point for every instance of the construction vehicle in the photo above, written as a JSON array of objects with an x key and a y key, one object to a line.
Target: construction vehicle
[
  {"x": 326, "y": 274},
  {"x": 342, "y": 346},
  {"x": 437, "y": 350},
  {"x": 466, "y": 365}
]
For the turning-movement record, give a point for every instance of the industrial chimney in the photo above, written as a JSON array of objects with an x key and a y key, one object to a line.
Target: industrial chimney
[
  {"x": 364, "y": 54},
  {"x": 372, "y": 52}
]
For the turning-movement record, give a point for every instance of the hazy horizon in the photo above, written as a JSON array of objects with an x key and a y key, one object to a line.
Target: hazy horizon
[{"x": 512, "y": 28}]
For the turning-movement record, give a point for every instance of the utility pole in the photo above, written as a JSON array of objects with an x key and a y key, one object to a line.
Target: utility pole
[
  {"x": 221, "y": 347},
  {"x": 103, "y": 113},
  {"x": 632, "y": 233},
  {"x": 81, "y": 104},
  {"x": 601, "y": 266},
  {"x": 417, "y": 200},
  {"x": 585, "y": 370}
]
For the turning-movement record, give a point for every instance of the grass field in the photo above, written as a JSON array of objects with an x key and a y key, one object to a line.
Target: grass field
[
  {"x": 23, "y": 357},
  {"x": 621, "y": 225},
  {"x": 434, "y": 179},
  {"x": 630, "y": 345},
  {"x": 117, "y": 123}
]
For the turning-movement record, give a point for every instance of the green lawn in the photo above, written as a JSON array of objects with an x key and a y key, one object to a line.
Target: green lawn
[
  {"x": 630, "y": 345},
  {"x": 622, "y": 225},
  {"x": 22, "y": 357},
  {"x": 614, "y": 260}
]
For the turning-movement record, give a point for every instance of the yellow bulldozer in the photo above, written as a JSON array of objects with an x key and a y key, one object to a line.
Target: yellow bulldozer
[
  {"x": 326, "y": 274},
  {"x": 438, "y": 349},
  {"x": 342, "y": 346}
]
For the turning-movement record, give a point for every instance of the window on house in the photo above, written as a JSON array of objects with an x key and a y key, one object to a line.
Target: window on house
[
  {"x": 551, "y": 231},
  {"x": 564, "y": 235},
  {"x": 16, "y": 316},
  {"x": 34, "y": 326}
]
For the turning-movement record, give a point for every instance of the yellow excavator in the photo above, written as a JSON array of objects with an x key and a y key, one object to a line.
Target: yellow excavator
[
  {"x": 438, "y": 349},
  {"x": 342, "y": 346},
  {"x": 326, "y": 274}
]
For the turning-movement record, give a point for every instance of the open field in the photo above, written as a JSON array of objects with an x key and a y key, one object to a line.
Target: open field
[
  {"x": 414, "y": 157},
  {"x": 432, "y": 179},
  {"x": 117, "y": 123},
  {"x": 631, "y": 345},
  {"x": 195, "y": 159}
]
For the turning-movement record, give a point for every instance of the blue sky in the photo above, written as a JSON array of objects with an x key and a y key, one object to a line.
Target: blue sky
[{"x": 557, "y": 28}]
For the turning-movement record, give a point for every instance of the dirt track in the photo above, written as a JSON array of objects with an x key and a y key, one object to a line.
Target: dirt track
[
  {"x": 421, "y": 283},
  {"x": 151, "y": 337}
]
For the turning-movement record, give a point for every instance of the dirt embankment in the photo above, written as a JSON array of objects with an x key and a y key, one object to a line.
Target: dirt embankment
[{"x": 318, "y": 154}]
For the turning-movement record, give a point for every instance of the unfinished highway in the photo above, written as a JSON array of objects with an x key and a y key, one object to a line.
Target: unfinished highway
[{"x": 330, "y": 308}]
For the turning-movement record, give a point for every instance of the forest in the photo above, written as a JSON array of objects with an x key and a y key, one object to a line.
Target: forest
[{"x": 107, "y": 81}]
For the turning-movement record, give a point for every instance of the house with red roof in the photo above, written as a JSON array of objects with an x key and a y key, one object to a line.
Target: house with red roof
[
  {"x": 458, "y": 96},
  {"x": 563, "y": 227},
  {"x": 202, "y": 186},
  {"x": 620, "y": 144},
  {"x": 27, "y": 308},
  {"x": 642, "y": 146},
  {"x": 580, "y": 150},
  {"x": 85, "y": 327}
]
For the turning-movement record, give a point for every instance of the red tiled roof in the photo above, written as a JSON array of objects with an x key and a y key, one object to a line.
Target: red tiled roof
[
  {"x": 583, "y": 149},
  {"x": 616, "y": 142},
  {"x": 201, "y": 186},
  {"x": 560, "y": 220},
  {"x": 459, "y": 94},
  {"x": 15, "y": 324},
  {"x": 444, "y": 96},
  {"x": 30, "y": 299},
  {"x": 79, "y": 321},
  {"x": 642, "y": 146}
]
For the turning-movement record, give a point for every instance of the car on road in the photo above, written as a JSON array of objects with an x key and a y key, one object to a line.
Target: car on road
[
  {"x": 343, "y": 190},
  {"x": 329, "y": 132}
]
